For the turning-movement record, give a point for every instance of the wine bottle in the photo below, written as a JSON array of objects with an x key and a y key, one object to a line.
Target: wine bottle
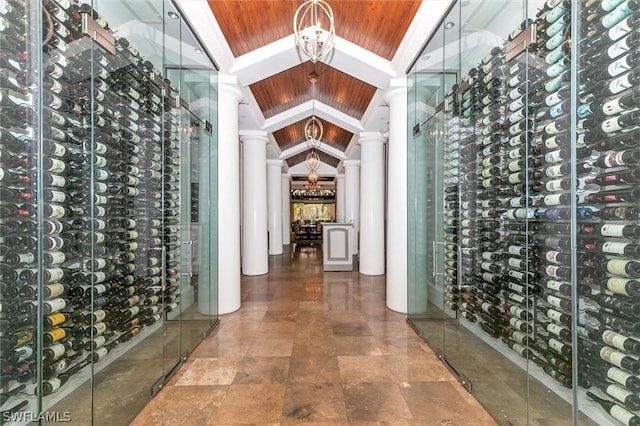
[{"x": 617, "y": 412}]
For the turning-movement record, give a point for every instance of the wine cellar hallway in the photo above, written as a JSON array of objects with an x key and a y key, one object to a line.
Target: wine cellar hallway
[{"x": 309, "y": 346}]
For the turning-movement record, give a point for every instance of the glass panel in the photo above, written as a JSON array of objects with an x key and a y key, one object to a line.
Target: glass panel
[
  {"x": 606, "y": 165},
  {"x": 22, "y": 296},
  {"x": 426, "y": 303}
]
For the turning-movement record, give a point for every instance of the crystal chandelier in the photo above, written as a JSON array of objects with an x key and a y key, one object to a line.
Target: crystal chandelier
[{"x": 314, "y": 41}]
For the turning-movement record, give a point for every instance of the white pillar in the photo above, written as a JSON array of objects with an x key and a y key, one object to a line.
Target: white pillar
[
  {"x": 229, "y": 96},
  {"x": 286, "y": 210},
  {"x": 396, "y": 97},
  {"x": 371, "y": 203},
  {"x": 255, "y": 256},
  {"x": 352, "y": 199},
  {"x": 340, "y": 198},
  {"x": 274, "y": 205}
]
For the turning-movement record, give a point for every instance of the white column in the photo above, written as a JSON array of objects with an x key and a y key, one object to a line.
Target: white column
[
  {"x": 340, "y": 198},
  {"x": 352, "y": 199},
  {"x": 371, "y": 203},
  {"x": 255, "y": 256},
  {"x": 274, "y": 205},
  {"x": 286, "y": 210},
  {"x": 396, "y": 97},
  {"x": 229, "y": 96}
]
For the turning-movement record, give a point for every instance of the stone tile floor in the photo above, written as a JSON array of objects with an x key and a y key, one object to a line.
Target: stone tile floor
[{"x": 309, "y": 347}]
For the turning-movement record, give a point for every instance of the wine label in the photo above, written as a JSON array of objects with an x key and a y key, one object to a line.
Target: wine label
[
  {"x": 618, "y": 285},
  {"x": 554, "y": 185},
  {"x": 517, "y": 323},
  {"x": 611, "y": 355},
  {"x": 515, "y": 178},
  {"x": 619, "y": 66},
  {"x": 618, "y": 375},
  {"x": 516, "y": 287},
  {"x": 57, "y": 166},
  {"x": 618, "y": 392},
  {"x": 621, "y": 414},
  {"x": 55, "y": 274},
  {"x": 556, "y": 345},
  {"x": 99, "y": 328},
  {"x": 56, "y": 304},
  {"x": 517, "y": 298},
  {"x": 554, "y": 14},
  {"x": 554, "y": 285},
  {"x": 56, "y": 319},
  {"x": 516, "y": 274},
  {"x": 100, "y": 353},
  {"x": 100, "y": 161},
  {"x": 553, "y": 156},
  {"x": 101, "y": 174},
  {"x": 555, "y": 329},
  {"x": 99, "y": 342},
  {"x": 611, "y": 125},
  {"x": 516, "y": 263},
  {"x": 552, "y": 271},
  {"x": 618, "y": 85},
  {"x": 614, "y": 339},
  {"x": 554, "y": 315},
  {"x": 519, "y": 349},
  {"x": 57, "y": 257},
  {"x": 618, "y": 266},
  {"x": 519, "y": 312},
  {"x": 57, "y": 334},
  {"x": 619, "y": 30},
  {"x": 99, "y": 277},
  {"x": 609, "y": 230},
  {"x": 515, "y": 166},
  {"x": 55, "y": 290},
  {"x": 551, "y": 256},
  {"x": 57, "y": 350},
  {"x": 555, "y": 301},
  {"x": 519, "y": 336},
  {"x": 614, "y": 248}
]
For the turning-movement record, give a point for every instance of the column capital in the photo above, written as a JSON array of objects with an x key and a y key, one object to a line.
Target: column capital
[
  {"x": 254, "y": 136},
  {"x": 273, "y": 162},
  {"x": 397, "y": 87},
  {"x": 228, "y": 84},
  {"x": 340, "y": 176},
  {"x": 370, "y": 137},
  {"x": 351, "y": 163}
]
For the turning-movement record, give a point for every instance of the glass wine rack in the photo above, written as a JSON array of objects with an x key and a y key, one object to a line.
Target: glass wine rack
[
  {"x": 107, "y": 258},
  {"x": 524, "y": 271}
]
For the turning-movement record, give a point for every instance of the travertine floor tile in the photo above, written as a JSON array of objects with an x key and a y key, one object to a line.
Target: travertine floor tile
[{"x": 309, "y": 348}]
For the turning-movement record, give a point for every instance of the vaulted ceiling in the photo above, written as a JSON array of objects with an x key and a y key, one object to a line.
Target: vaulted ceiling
[{"x": 253, "y": 40}]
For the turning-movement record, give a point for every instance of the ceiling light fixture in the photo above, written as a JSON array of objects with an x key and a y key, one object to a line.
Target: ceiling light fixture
[
  {"x": 314, "y": 41},
  {"x": 313, "y": 130},
  {"x": 173, "y": 15},
  {"x": 449, "y": 25}
]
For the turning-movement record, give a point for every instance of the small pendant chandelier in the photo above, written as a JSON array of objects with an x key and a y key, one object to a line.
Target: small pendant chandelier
[{"x": 314, "y": 41}]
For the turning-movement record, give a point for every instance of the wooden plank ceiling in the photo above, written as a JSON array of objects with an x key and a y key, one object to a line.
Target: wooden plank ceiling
[
  {"x": 301, "y": 157},
  {"x": 291, "y": 87},
  {"x": 376, "y": 25},
  {"x": 293, "y": 134}
]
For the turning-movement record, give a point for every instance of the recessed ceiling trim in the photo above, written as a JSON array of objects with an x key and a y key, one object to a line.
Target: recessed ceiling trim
[
  {"x": 305, "y": 110},
  {"x": 302, "y": 146},
  {"x": 204, "y": 23},
  {"x": 282, "y": 54}
]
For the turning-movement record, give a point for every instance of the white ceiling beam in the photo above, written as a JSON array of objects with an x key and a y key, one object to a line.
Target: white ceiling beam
[
  {"x": 301, "y": 169},
  {"x": 283, "y": 54},
  {"x": 302, "y": 147},
  {"x": 302, "y": 111}
]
